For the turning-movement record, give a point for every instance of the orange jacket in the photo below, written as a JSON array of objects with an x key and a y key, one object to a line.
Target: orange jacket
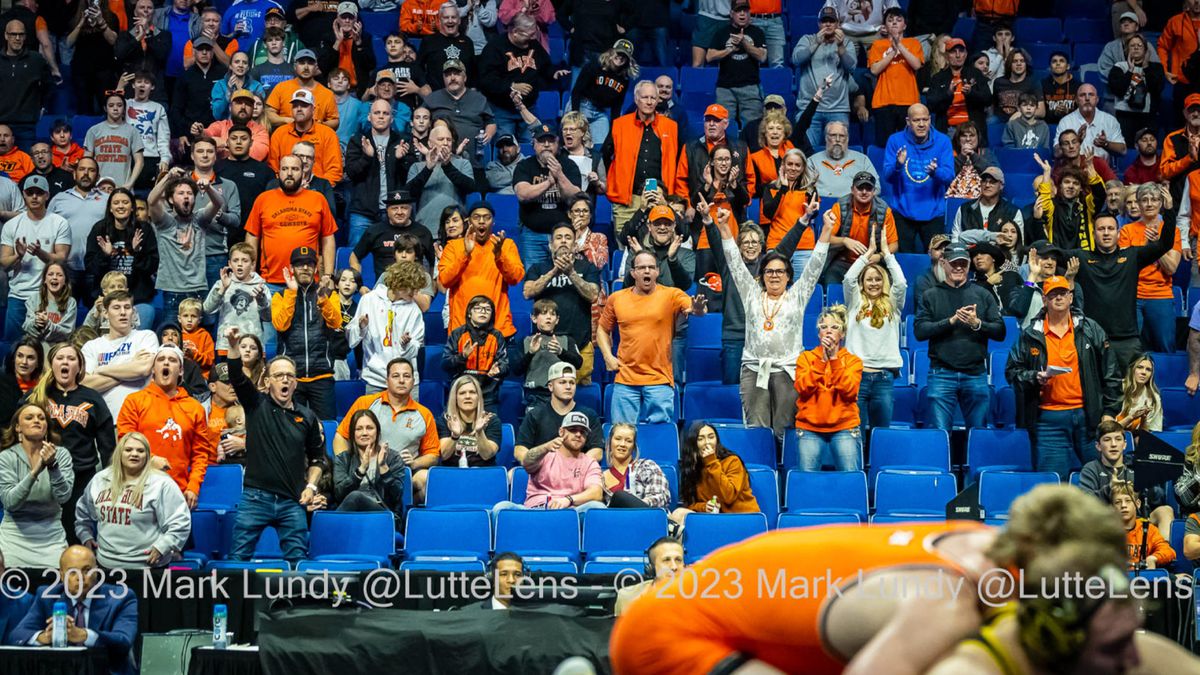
[
  {"x": 419, "y": 17},
  {"x": 1155, "y": 545},
  {"x": 17, "y": 164},
  {"x": 177, "y": 429},
  {"x": 65, "y": 159},
  {"x": 480, "y": 272},
  {"x": 328, "y": 161},
  {"x": 1177, "y": 42},
  {"x": 1176, "y": 157},
  {"x": 762, "y": 168},
  {"x": 626, "y": 137},
  {"x": 198, "y": 346},
  {"x": 828, "y": 391},
  {"x": 782, "y": 209},
  {"x": 728, "y": 481}
]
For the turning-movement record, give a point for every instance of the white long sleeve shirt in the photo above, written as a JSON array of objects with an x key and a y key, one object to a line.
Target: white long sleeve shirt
[
  {"x": 387, "y": 320},
  {"x": 877, "y": 347}
]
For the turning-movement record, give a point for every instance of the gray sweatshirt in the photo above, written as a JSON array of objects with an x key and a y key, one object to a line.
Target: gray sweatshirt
[
  {"x": 59, "y": 326},
  {"x": 241, "y": 305},
  {"x": 814, "y": 59},
  {"x": 33, "y": 506},
  {"x": 1021, "y": 134},
  {"x": 229, "y": 217},
  {"x": 125, "y": 532}
]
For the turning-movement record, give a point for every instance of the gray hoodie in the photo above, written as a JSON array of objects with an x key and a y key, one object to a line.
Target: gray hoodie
[
  {"x": 245, "y": 304},
  {"x": 814, "y": 59},
  {"x": 125, "y": 532}
]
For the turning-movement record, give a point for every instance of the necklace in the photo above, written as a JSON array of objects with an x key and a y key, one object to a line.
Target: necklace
[
  {"x": 769, "y": 321},
  {"x": 913, "y": 178}
]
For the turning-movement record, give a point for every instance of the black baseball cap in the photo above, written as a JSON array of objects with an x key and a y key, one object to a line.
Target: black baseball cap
[
  {"x": 865, "y": 178},
  {"x": 304, "y": 254}
]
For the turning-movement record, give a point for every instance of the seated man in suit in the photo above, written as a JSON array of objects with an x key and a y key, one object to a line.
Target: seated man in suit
[{"x": 104, "y": 616}]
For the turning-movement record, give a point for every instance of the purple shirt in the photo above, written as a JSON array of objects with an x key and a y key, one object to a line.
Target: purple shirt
[{"x": 560, "y": 475}]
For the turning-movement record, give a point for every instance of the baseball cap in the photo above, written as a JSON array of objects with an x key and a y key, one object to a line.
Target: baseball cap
[
  {"x": 739, "y": 4},
  {"x": 219, "y": 373},
  {"x": 303, "y": 96},
  {"x": 35, "y": 182},
  {"x": 385, "y": 74},
  {"x": 1055, "y": 283},
  {"x": 481, "y": 204},
  {"x": 398, "y": 197},
  {"x": 169, "y": 325},
  {"x": 106, "y": 179},
  {"x": 543, "y": 130},
  {"x": 242, "y": 93},
  {"x": 774, "y": 99},
  {"x": 716, "y": 110},
  {"x": 275, "y": 11},
  {"x": 827, "y": 14},
  {"x": 864, "y": 178},
  {"x": 575, "y": 419},
  {"x": 304, "y": 254},
  {"x": 994, "y": 172},
  {"x": 560, "y": 370},
  {"x": 1191, "y": 100},
  {"x": 938, "y": 241},
  {"x": 506, "y": 139},
  {"x": 955, "y": 43},
  {"x": 171, "y": 349},
  {"x": 956, "y": 252},
  {"x": 347, "y": 8},
  {"x": 453, "y": 64},
  {"x": 661, "y": 212},
  {"x": 623, "y": 46},
  {"x": 1130, "y": 16},
  {"x": 201, "y": 43},
  {"x": 306, "y": 54},
  {"x": 1047, "y": 250},
  {"x": 985, "y": 247},
  {"x": 1143, "y": 132}
]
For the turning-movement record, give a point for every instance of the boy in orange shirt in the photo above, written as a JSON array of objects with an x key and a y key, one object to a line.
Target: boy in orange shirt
[
  {"x": 64, "y": 151},
  {"x": 895, "y": 60},
  {"x": 1158, "y": 553},
  {"x": 197, "y": 343}
]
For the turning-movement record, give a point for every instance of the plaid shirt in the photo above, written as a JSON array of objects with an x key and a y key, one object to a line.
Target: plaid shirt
[{"x": 647, "y": 482}]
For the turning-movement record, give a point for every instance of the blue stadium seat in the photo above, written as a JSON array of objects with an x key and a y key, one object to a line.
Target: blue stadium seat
[
  {"x": 518, "y": 303},
  {"x": 520, "y": 482},
  {"x": 905, "y": 402},
  {"x": 432, "y": 369},
  {"x": 1012, "y": 330},
  {"x": 964, "y": 28},
  {"x": 707, "y": 532},
  {"x": 1027, "y": 30},
  {"x": 998, "y": 489},
  {"x": 258, "y": 565},
  {"x": 621, "y": 535},
  {"x": 1016, "y": 159},
  {"x": 512, "y": 401},
  {"x": 447, "y": 536},
  {"x": 1180, "y": 440},
  {"x": 547, "y": 106},
  {"x": 603, "y": 213},
  {"x": 705, "y": 331},
  {"x": 221, "y": 489},
  {"x": 380, "y": 24},
  {"x": 329, "y": 428},
  {"x": 920, "y": 364},
  {"x": 433, "y": 396},
  {"x": 884, "y": 519},
  {"x": 336, "y": 566},
  {"x": 1039, "y": 56},
  {"x": 507, "y": 209},
  {"x": 698, "y": 81},
  {"x": 671, "y": 473},
  {"x": 631, "y": 566},
  {"x": 656, "y": 442},
  {"x": 588, "y": 396},
  {"x": 1019, "y": 188},
  {"x": 1085, "y": 53},
  {"x": 1004, "y": 407},
  {"x": 997, "y": 361},
  {"x": 348, "y": 536},
  {"x": 207, "y": 542},
  {"x": 508, "y": 442},
  {"x": 478, "y": 487},
  {"x": 1181, "y": 565},
  {"x": 764, "y": 484},
  {"x": 908, "y": 450},
  {"x": 342, "y": 257},
  {"x": 777, "y": 81},
  {"x": 1083, "y": 31},
  {"x": 790, "y": 520},
  {"x": 80, "y": 125},
  {"x": 443, "y": 566},
  {"x": 711, "y": 401},
  {"x": 703, "y": 364},
  {"x": 913, "y": 265},
  {"x": 827, "y": 492},
  {"x": 539, "y": 536},
  {"x": 755, "y": 445},
  {"x": 997, "y": 450},
  {"x": 913, "y": 493},
  {"x": 1180, "y": 411},
  {"x": 345, "y": 393},
  {"x": 1170, "y": 370}
]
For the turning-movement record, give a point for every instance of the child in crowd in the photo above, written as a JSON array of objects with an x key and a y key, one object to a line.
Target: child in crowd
[
  {"x": 194, "y": 381},
  {"x": 197, "y": 344},
  {"x": 96, "y": 318},
  {"x": 50, "y": 315},
  {"x": 235, "y": 425},
  {"x": 477, "y": 348},
  {"x": 1148, "y": 549},
  {"x": 1099, "y": 475},
  {"x": 277, "y": 67},
  {"x": 348, "y": 284},
  {"x": 389, "y": 325},
  {"x": 239, "y": 299},
  {"x": 116, "y": 144},
  {"x": 408, "y": 249},
  {"x": 64, "y": 151},
  {"x": 150, "y": 120},
  {"x": 542, "y": 350},
  {"x": 1027, "y": 131}
]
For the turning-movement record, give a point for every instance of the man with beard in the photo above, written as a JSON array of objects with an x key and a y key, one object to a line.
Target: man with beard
[
  {"x": 271, "y": 227},
  {"x": 216, "y": 250},
  {"x": 379, "y": 241},
  {"x": 647, "y": 315},
  {"x": 284, "y": 460},
  {"x": 543, "y": 184},
  {"x": 58, "y": 178},
  {"x": 173, "y": 422},
  {"x": 562, "y": 475},
  {"x": 28, "y": 243},
  {"x": 837, "y": 164},
  {"x": 241, "y": 111},
  {"x": 465, "y": 108},
  {"x": 859, "y": 215},
  {"x": 119, "y": 363},
  {"x": 182, "y": 233},
  {"x": 1144, "y": 168},
  {"x": 308, "y": 317},
  {"x": 500, "y": 170},
  {"x": 447, "y": 44},
  {"x": 82, "y": 206},
  {"x": 480, "y": 263},
  {"x": 308, "y": 158},
  {"x": 515, "y": 65},
  {"x": 304, "y": 127},
  {"x": 249, "y": 175},
  {"x": 573, "y": 284},
  {"x": 283, "y": 95}
]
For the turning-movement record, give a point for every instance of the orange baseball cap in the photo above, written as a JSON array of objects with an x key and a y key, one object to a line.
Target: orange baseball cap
[
  {"x": 1055, "y": 283},
  {"x": 1191, "y": 100},
  {"x": 662, "y": 212},
  {"x": 716, "y": 110}
]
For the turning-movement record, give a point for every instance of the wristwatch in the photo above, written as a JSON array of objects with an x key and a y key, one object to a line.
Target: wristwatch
[{"x": 571, "y": 498}]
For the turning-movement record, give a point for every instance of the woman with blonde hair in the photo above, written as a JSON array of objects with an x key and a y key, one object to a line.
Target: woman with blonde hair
[
  {"x": 577, "y": 142},
  {"x": 470, "y": 435},
  {"x": 631, "y": 481},
  {"x": 774, "y": 132},
  {"x": 787, "y": 199},
  {"x": 132, "y": 514},
  {"x": 827, "y": 383},
  {"x": 36, "y": 477},
  {"x": 1141, "y": 402},
  {"x": 1187, "y": 486},
  {"x": 599, "y": 91},
  {"x": 874, "y": 295}
]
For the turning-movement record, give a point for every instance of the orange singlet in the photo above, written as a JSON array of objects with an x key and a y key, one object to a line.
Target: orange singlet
[{"x": 733, "y": 601}]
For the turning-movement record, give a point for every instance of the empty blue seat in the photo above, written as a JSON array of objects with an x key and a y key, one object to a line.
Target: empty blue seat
[
  {"x": 755, "y": 445},
  {"x": 1179, "y": 409},
  {"x": 705, "y": 400},
  {"x": 827, "y": 492},
  {"x": 777, "y": 81},
  {"x": 1181, "y": 565},
  {"x": 329, "y": 428},
  {"x": 508, "y": 442},
  {"x": 697, "y": 81},
  {"x": 1039, "y": 59},
  {"x": 345, "y": 393},
  {"x": 1170, "y": 370},
  {"x": 1027, "y": 30},
  {"x": 207, "y": 542},
  {"x": 789, "y": 520},
  {"x": 512, "y": 401},
  {"x": 707, "y": 532},
  {"x": 764, "y": 484},
  {"x": 997, "y": 450},
  {"x": 520, "y": 482},
  {"x": 443, "y": 566},
  {"x": 447, "y": 536},
  {"x": 222, "y": 487},
  {"x": 334, "y": 566},
  {"x": 997, "y": 362},
  {"x": 908, "y": 450},
  {"x": 615, "y": 567},
  {"x": 1004, "y": 407},
  {"x": 356, "y": 536},
  {"x": 539, "y": 536},
  {"x": 478, "y": 487},
  {"x": 881, "y": 519},
  {"x": 380, "y": 24},
  {"x": 920, "y": 367},
  {"x": 588, "y": 396},
  {"x": 621, "y": 535},
  {"x": 703, "y": 364},
  {"x": 1016, "y": 159},
  {"x": 1012, "y": 330},
  {"x": 671, "y": 473},
  {"x": 259, "y": 565},
  {"x": 705, "y": 331},
  {"x": 433, "y": 362},
  {"x": 998, "y": 489},
  {"x": 657, "y": 442},
  {"x": 913, "y": 493}
]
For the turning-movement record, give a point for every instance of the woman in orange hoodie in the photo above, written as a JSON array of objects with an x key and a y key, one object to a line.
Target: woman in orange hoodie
[
  {"x": 827, "y": 379},
  {"x": 712, "y": 479},
  {"x": 1158, "y": 553}
]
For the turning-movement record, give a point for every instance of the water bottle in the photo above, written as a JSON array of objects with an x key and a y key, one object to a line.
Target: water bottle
[
  {"x": 220, "y": 614},
  {"x": 713, "y": 506},
  {"x": 59, "y": 630},
  {"x": 479, "y": 144}
]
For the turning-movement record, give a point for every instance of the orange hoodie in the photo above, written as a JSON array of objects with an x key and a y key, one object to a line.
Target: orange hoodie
[
  {"x": 177, "y": 430},
  {"x": 828, "y": 391},
  {"x": 480, "y": 272},
  {"x": 728, "y": 481},
  {"x": 198, "y": 346},
  {"x": 1155, "y": 545}
]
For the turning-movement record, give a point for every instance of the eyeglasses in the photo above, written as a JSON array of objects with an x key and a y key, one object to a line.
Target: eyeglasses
[
  {"x": 643, "y": 268},
  {"x": 284, "y": 377},
  {"x": 22, "y": 34},
  {"x": 480, "y": 217},
  {"x": 774, "y": 271}
]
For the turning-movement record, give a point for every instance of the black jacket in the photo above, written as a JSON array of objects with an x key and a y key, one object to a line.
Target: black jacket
[
  {"x": 145, "y": 261},
  {"x": 1098, "y": 376},
  {"x": 971, "y": 216},
  {"x": 308, "y": 340},
  {"x": 363, "y": 172},
  {"x": 151, "y": 57},
  {"x": 1119, "y": 83},
  {"x": 956, "y": 346},
  {"x": 26, "y": 81},
  {"x": 193, "y": 98},
  {"x": 697, "y": 154},
  {"x": 85, "y": 423},
  {"x": 387, "y": 488},
  {"x": 502, "y": 64},
  {"x": 251, "y": 178},
  {"x": 941, "y": 95}
]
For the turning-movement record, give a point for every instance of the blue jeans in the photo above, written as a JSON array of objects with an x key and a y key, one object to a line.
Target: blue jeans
[
  {"x": 731, "y": 361},
  {"x": 647, "y": 404},
  {"x": 845, "y": 445},
  {"x": 598, "y": 122},
  {"x": 535, "y": 247},
  {"x": 358, "y": 227},
  {"x": 14, "y": 319},
  {"x": 799, "y": 260},
  {"x": 171, "y": 302},
  {"x": 970, "y": 392},
  {"x": 270, "y": 337},
  {"x": 1156, "y": 321},
  {"x": 651, "y": 46},
  {"x": 816, "y": 130},
  {"x": 776, "y": 40},
  {"x": 1059, "y": 432},
  {"x": 259, "y": 509},
  {"x": 212, "y": 267},
  {"x": 510, "y": 506},
  {"x": 510, "y": 123},
  {"x": 145, "y": 313},
  {"x": 875, "y": 399}
]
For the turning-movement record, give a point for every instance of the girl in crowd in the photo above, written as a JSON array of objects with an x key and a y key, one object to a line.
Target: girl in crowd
[
  {"x": 988, "y": 260},
  {"x": 237, "y": 78},
  {"x": 132, "y": 514},
  {"x": 827, "y": 383},
  {"x": 470, "y": 435},
  {"x": 599, "y": 91},
  {"x": 451, "y": 225},
  {"x": 123, "y": 243},
  {"x": 1141, "y": 402},
  {"x": 773, "y": 134},
  {"x": 970, "y": 159},
  {"x": 712, "y": 479},
  {"x": 36, "y": 477},
  {"x": 23, "y": 367},
  {"x": 631, "y": 481},
  {"x": 80, "y": 417},
  {"x": 370, "y": 475},
  {"x": 1008, "y": 240},
  {"x": 578, "y": 144},
  {"x": 50, "y": 315},
  {"x": 254, "y": 364},
  {"x": 875, "y": 297},
  {"x": 774, "y": 320}
]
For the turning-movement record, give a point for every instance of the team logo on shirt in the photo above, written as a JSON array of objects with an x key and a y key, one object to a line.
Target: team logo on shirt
[
  {"x": 66, "y": 414},
  {"x": 298, "y": 419},
  {"x": 170, "y": 430},
  {"x": 1034, "y": 351}
]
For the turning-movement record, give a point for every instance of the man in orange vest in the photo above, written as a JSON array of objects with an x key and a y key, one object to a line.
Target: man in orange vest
[{"x": 633, "y": 157}]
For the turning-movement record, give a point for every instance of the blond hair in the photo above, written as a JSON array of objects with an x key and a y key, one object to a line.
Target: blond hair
[
  {"x": 880, "y": 309},
  {"x": 119, "y": 479},
  {"x": 191, "y": 303},
  {"x": 837, "y": 313},
  {"x": 1192, "y": 457},
  {"x": 776, "y": 117},
  {"x": 110, "y": 279},
  {"x": 1049, "y": 516}
]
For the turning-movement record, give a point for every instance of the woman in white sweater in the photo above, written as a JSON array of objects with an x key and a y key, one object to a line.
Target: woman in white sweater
[
  {"x": 774, "y": 324},
  {"x": 389, "y": 325},
  {"x": 874, "y": 297},
  {"x": 132, "y": 514},
  {"x": 35, "y": 481}
]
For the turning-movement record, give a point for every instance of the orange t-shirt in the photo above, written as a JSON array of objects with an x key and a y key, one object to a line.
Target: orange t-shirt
[
  {"x": 674, "y": 630},
  {"x": 647, "y": 324},
  {"x": 198, "y": 345},
  {"x": 791, "y": 208},
  {"x": 1153, "y": 281},
  {"x": 325, "y": 107},
  {"x": 1062, "y": 392},
  {"x": 327, "y": 153},
  {"x": 858, "y": 228},
  {"x": 188, "y": 52},
  {"x": 957, "y": 114},
  {"x": 17, "y": 164},
  {"x": 284, "y": 222},
  {"x": 346, "y": 60},
  {"x": 897, "y": 83}
]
